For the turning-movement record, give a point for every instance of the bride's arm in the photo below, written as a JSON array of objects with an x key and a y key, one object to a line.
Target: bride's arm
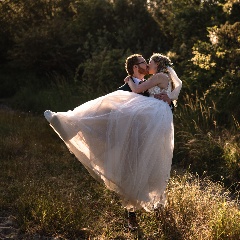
[{"x": 153, "y": 81}]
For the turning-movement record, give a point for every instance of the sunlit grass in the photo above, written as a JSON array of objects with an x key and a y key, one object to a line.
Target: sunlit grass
[
  {"x": 200, "y": 208},
  {"x": 51, "y": 194},
  {"x": 203, "y": 144}
]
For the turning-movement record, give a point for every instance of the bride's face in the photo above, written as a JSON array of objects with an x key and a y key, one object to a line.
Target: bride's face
[{"x": 152, "y": 67}]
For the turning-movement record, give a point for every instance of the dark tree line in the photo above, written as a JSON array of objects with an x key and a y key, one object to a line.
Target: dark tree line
[{"x": 87, "y": 41}]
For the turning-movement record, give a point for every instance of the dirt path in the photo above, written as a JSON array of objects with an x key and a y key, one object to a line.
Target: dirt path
[
  {"x": 8, "y": 227},
  {"x": 9, "y": 230}
]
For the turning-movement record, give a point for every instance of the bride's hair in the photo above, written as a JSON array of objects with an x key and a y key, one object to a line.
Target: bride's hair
[
  {"x": 163, "y": 62},
  {"x": 164, "y": 65}
]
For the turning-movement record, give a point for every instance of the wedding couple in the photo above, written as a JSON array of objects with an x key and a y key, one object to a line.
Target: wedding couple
[{"x": 125, "y": 139}]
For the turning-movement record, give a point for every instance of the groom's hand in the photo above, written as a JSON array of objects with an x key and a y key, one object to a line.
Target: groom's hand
[{"x": 164, "y": 97}]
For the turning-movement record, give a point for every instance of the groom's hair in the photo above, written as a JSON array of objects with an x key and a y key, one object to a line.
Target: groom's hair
[{"x": 130, "y": 62}]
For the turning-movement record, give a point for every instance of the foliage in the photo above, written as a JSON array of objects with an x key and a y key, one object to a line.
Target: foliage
[
  {"x": 101, "y": 73},
  {"x": 185, "y": 22},
  {"x": 47, "y": 38},
  {"x": 221, "y": 57}
]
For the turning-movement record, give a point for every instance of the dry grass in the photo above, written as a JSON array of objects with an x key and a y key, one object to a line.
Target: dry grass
[
  {"x": 201, "y": 209},
  {"x": 203, "y": 144},
  {"x": 51, "y": 194}
]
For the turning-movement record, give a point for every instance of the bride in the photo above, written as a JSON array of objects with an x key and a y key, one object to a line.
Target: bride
[{"x": 124, "y": 139}]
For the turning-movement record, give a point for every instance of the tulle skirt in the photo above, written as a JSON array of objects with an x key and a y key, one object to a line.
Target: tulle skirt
[{"x": 124, "y": 140}]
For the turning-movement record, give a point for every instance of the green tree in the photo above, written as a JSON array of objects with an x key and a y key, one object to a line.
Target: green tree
[
  {"x": 219, "y": 58},
  {"x": 102, "y": 73}
]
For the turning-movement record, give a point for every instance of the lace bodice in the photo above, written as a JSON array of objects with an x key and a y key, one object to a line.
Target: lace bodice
[
  {"x": 173, "y": 94},
  {"x": 157, "y": 90}
]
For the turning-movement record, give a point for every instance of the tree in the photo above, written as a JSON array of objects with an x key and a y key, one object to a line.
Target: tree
[{"x": 220, "y": 57}]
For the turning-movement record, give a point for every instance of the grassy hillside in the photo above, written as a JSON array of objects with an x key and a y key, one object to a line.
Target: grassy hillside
[{"x": 51, "y": 194}]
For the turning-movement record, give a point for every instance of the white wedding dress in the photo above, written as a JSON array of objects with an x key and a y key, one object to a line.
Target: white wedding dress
[{"x": 125, "y": 140}]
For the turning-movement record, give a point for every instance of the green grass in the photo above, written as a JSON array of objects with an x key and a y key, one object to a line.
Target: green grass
[{"x": 50, "y": 193}]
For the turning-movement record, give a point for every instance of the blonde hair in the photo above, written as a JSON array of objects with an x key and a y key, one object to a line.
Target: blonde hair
[{"x": 162, "y": 61}]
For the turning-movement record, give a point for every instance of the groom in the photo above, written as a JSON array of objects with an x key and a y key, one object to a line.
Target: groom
[{"x": 137, "y": 67}]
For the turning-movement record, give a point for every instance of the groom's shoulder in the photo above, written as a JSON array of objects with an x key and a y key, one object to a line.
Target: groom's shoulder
[{"x": 125, "y": 87}]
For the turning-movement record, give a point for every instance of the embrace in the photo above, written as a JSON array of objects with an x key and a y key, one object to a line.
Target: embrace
[{"x": 125, "y": 139}]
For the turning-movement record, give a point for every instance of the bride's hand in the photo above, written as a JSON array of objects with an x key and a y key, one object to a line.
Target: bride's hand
[{"x": 126, "y": 80}]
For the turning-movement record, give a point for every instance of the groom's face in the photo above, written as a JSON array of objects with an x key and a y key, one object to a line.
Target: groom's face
[{"x": 142, "y": 66}]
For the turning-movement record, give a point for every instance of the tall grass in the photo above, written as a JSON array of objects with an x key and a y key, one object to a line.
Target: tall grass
[
  {"x": 51, "y": 194},
  {"x": 203, "y": 144},
  {"x": 199, "y": 209},
  {"x": 60, "y": 95}
]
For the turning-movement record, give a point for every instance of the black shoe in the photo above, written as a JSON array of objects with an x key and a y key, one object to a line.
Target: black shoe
[
  {"x": 132, "y": 221},
  {"x": 159, "y": 213}
]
